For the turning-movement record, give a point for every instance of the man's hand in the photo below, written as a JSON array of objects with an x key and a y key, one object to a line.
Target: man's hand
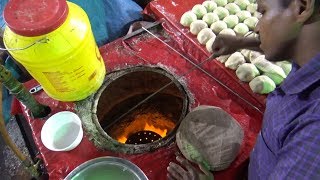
[
  {"x": 225, "y": 44},
  {"x": 176, "y": 172}
]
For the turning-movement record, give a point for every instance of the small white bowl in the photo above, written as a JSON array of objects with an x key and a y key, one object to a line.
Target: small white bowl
[{"x": 62, "y": 131}]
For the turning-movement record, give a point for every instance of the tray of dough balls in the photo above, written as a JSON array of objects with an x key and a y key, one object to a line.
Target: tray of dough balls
[{"x": 236, "y": 18}]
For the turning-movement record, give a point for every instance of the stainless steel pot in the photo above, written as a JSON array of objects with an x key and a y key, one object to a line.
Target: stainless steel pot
[{"x": 105, "y": 168}]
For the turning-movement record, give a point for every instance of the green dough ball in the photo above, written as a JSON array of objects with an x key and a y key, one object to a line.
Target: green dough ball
[
  {"x": 228, "y": 32},
  {"x": 218, "y": 26},
  {"x": 204, "y": 35},
  {"x": 233, "y": 8},
  {"x": 197, "y": 26},
  {"x": 231, "y": 21},
  {"x": 221, "y": 2},
  {"x": 187, "y": 18},
  {"x": 235, "y": 60},
  {"x": 262, "y": 85},
  {"x": 210, "y": 18},
  {"x": 251, "y": 22},
  {"x": 246, "y": 72},
  {"x": 210, "y": 5},
  {"x": 209, "y": 44},
  {"x": 243, "y": 15},
  {"x": 252, "y": 8},
  {"x": 241, "y": 29},
  {"x": 242, "y": 3},
  {"x": 221, "y": 12},
  {"x": 199, "y": 10}
]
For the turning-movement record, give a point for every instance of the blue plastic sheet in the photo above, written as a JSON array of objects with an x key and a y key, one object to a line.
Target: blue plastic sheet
[
  {"x": 2, "y": 4},
  {"x": 110, "y": 19}
]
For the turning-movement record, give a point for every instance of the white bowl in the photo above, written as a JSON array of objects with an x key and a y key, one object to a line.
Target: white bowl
[{"x": 62, "y": 131}]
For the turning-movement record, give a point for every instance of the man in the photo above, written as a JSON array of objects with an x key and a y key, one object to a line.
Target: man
[{"x": 288, "y": 146}]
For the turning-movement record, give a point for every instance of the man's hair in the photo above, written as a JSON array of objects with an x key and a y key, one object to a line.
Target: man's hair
[{"x": 286, "y": 3}]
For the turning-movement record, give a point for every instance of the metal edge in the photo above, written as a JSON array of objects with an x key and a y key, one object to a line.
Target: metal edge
[
  {"x": 140, "y": 31},
  {"x": 133, "y": 168}
]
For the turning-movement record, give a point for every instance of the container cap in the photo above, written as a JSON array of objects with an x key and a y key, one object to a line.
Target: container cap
[{"x": 35, "y": 17}]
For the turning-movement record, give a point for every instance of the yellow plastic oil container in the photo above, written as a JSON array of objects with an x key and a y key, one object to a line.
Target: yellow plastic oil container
[{"x": 53, "y": 40}]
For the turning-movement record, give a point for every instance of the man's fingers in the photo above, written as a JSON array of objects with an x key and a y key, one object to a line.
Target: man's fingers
[
  {"x": 218, "y": 49},
  {"x": 170, "y": 177},
  {"x": 184, "y": 162},
  {"x": 216, "y": 46},
  {"x": 176, "y": 171},
  {"x": 225, "y": 44},
  {"x": 191, "y": 170}
]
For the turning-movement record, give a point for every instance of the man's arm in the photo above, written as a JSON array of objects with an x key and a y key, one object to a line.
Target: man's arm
[
  {"x": 226, "y": 44},
  {"x": 250, "y": 43},
  {"x": 299, "y": 158}
]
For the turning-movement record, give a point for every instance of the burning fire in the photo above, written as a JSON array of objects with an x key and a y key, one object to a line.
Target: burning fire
[
  {"x": 154, "y": 122},
  {"x": 122, "y": 139},
  {"x": 161, "y": 132}
]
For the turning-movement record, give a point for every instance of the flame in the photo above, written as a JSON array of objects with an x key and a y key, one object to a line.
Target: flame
[
  {"x": 154, "y": 122},
  {"x": 161, "y": 132},
  {"x": 122, "y": 139}
]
